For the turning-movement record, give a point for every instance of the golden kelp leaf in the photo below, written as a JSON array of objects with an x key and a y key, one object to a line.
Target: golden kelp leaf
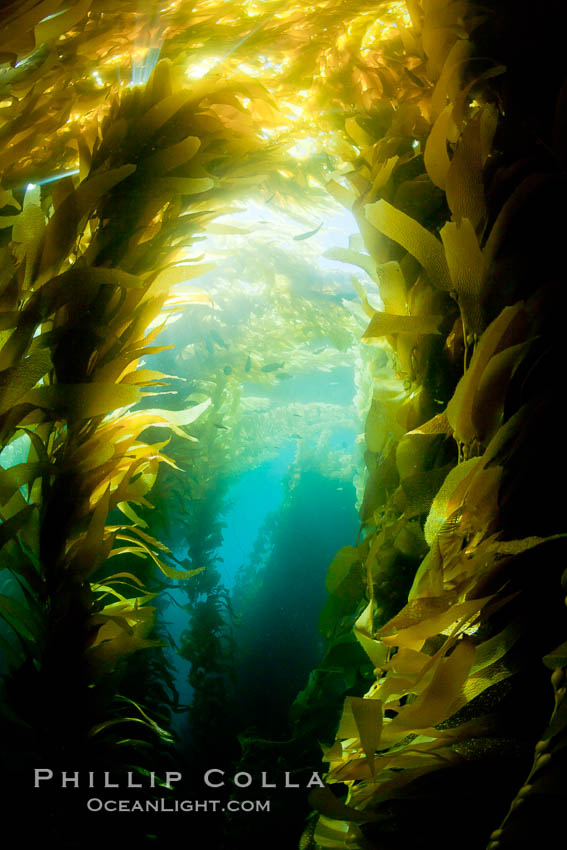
[
  {"x": 557, "y": 658},
  {"x": 176, "y": 419},
  {"x": 115, "y": 578},
  {"x": 141, "y": 546},
  {"x": 345, "y": 255},
  {"x": 183, "y": 295},
  {"x": 66, "y": 222},
  {"x": 164, "y": 279},
  {"x": 418, "y": 241},
  {"x": 425, "y": 617},
  {"x": 507, "y": 435},
  {"x": 368, "y": 716},
  {"x": 428, "y": 580},
  {"x": 394, "y": 686},
  {"x": 357, "y": 134},
  {"x": 98, "y": 453},
  {"x": 361, "y": 292},
  {"x": 386, "y": 324},
  {"x": 476, "y": 684},
  {"x": 491, "y": 392},
  {"x": 12, "y": 525},
  {"x": 132, "y": 489},
  {"x": 444, "y": 502},
  {"x": 375, "y": 430},
  {"x": 411, "y": 454},
  {"x": 440, "y": 698},
  {"x": 448, "y": 82},
  {"x": 464, "y": 184},
  {"x": 82, "y": 401},
  {"x": 147, "y": 537},
  {"x": 159, "y": 113},
  {"x": 54, "y": 25},
  {"x": 106, "y": 590},
  {"x": 227, "y": 229},
  {"x": 145, "y": 377},
  {"x": 113, "y": 641},
  {"x": 438, "y": 425},
  {"x": 341, "y": 194},
  {"x": 393, "y": 288},
  {"x": 128, "y": 613},
  {"x": 466, "y": 267},
  {"x": 330, "y": 833},
  {"x": 128, "y": 550},
  {"x": 9, "y": 319},
  {"x": 127, "y": 428},
  {"x": 11, "y": 154},
  {"x": 159, "y": 85},
  {"x": 8, "y": 221},
  {"x": 439, "y": 31},
  {"x": 28, "y": 229},
  {"x": 38, "y": 439},
  {"x": 420, "y": 489},
  {"x": 92, "y": 550},
  {"x": 184, "y": 185},
  {"x": 85, "y": 156},
  {"x": 516, "y": 547},
  {"x": 18, "y": 476},
  {"x": 100, "y": 274},
  {"x": 146, "y": 717},
  {"x": 480, "y": 501},
  {"x": 460, "y": 407},
  {"x": 170, "y": 572},
  {"x": 324, "y": 801},
  {"x": 129, "y": 512},
  {"x": 492, "y": 650},
  {"x": 363, "y": 630},
  {"x": 17, "y": 380},
  {"x": 408, "y": 661},
  {"x": 347, "y": 725},
  {"x": 410, "y": 540},
  {"x": 340, "y": 567},
  {"x": 435, "y": 155},
  {"x": 382, "y": 176}
]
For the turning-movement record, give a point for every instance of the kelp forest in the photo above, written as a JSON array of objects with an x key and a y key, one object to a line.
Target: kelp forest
[{"x": 282, "y": 538}]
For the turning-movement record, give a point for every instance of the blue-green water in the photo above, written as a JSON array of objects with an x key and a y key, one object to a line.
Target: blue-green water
[{"x": 252, "y": 497}]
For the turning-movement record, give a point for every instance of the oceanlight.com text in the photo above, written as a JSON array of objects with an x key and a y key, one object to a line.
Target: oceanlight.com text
[{"x": 95, "y": 804}]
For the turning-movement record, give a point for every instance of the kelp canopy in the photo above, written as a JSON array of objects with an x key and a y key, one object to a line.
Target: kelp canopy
[{"x": 127, "y": 131}]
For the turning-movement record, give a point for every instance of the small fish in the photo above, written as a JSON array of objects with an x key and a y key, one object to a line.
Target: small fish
[
  {"x": 248, "y": 364},
  {"x": 209, "y": 345},
  {"x": 227, "y": 370},
  {"x": 297, "y": 436},
  {"x": 283, "y": 376},
  {"x": 224, "y": 428},
  {"x": 307, "y": 235},
  {"x": 271, "y": 367}
]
